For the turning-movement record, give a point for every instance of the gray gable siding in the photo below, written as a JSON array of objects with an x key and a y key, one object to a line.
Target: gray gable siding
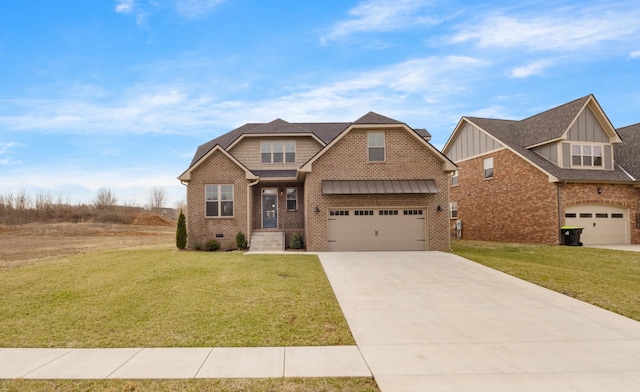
[
  {"x": 471, "y": 141},
  {"x": 549, "y": 152},
  {"x": 586, "y": 128}
]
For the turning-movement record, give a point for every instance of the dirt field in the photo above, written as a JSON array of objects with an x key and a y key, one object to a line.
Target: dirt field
[{"x": 31, "y": 243}]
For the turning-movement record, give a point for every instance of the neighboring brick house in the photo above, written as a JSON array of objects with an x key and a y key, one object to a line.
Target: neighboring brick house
[
  {"x": 372, "y": 184},
  {"x": 520, "y": 181}
]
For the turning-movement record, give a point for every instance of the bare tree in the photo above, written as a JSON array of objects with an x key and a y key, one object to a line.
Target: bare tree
[
  {"x": 157, "y": 197},
  {"x": 105, "y": 198}
]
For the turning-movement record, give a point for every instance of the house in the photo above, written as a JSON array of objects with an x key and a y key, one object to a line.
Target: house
[
  {"x": 521, "y": 181},
  {"x": 371, "y": 184}
]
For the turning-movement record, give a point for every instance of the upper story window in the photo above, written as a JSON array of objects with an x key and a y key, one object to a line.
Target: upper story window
[
  {"x": 278, "y": 152},
  {"x": 586, "y": 155},
  {"x": 454, "y": 178},
  {"x": 219, "y": 200},
  {"x": 376, "y": 147},
  {"x": 488, "y": 168}
]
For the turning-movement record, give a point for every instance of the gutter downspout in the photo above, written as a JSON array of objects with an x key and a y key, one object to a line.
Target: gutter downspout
[
  {"x": 559, "y": 196},
  {"x": 249, "y": 210}
]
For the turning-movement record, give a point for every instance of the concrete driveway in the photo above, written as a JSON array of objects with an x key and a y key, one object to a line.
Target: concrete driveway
[{"x": 432, "y": 321}]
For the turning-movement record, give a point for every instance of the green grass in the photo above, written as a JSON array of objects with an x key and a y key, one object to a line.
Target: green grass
[
  {"x": 170, "y": 298},
  {"x": 606, "y": 278},
  {"x": 226, "y": 385}
]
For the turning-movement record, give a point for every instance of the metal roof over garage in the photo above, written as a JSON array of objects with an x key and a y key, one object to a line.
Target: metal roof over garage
[{"x": 374, "y": 187}]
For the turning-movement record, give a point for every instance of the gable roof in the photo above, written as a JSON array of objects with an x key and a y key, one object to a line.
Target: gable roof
[
  {"x": 324, "y": 133},
  {"x": 627, "y": 153},
  {"x": 551, "y": 125}
]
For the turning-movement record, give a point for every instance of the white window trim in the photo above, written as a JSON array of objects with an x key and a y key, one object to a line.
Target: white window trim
[
  {"x": 384, "y": 146},
  {"x": 486, "y": 167},
  {"x": 582, "y": 155},
  {"x": 287, "y": 198},
  {"x": 271, "y": 150},
  {"x": 220, "y": 201},
  {"x": 452, "y": 209}
]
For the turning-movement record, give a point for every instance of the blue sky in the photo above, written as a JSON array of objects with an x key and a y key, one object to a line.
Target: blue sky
[{"x": 119, "y": 93}]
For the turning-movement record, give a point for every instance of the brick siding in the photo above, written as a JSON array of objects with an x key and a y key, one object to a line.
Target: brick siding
[
  {"x": 406, "y": 158},
  {"x": 520, "y": 204},
  {"x": 217, "y": 169}
]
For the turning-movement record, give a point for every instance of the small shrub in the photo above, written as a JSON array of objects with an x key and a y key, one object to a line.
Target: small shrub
[
  {"x": 212, "y": 246},
  {"x": 197, "y": 245},
  {"x": 181, "y": 232},
  {"x": 241, "y": 241},
  {"x": 296, "y": 241}
]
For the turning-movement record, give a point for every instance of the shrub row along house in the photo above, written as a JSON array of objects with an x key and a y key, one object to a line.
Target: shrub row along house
[
  {"x": 520, "y": 181},
  {"x": 371, "y": 184}
]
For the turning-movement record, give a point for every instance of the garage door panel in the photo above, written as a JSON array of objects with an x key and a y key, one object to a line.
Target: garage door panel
[
  {"x": 375, "y": 229},
  {"x": 602, "y": 224}
]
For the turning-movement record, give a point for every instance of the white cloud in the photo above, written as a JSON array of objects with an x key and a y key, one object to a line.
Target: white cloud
[
  {"x": 5, "y": 151},
  {"x": 399, "y": 88},
  {"x": 531, "y": 69},
  {"x": 635, "y": 54},
  {"x": 380, "y": 15},
  {"x": 196, "y": 8},
  {"x": 562, "y": 30},
  {"x": 125, "y": 6}
]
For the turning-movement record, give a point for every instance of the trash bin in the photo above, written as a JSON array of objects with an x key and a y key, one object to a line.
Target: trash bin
[{"x": 571, "y": 235}]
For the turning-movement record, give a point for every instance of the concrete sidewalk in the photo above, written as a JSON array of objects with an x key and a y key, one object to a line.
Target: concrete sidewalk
[
  {"x": 174, "y": 363},
  {"x": 432, "y": 321}
]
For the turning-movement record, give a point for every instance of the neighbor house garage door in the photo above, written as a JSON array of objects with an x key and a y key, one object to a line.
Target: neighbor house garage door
[
  {"x": 602, "y": 224},
  {"x": 376, "y": 229}
]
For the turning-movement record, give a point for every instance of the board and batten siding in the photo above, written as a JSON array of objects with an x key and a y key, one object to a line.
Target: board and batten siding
[
  {"x": 587, "y": 128},
  {"x": 470, "y": 142}
]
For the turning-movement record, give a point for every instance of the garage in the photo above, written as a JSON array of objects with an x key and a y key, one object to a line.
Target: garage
[
  {"x": 602, "y": 224},
  {"x": 376, "y": 229}
]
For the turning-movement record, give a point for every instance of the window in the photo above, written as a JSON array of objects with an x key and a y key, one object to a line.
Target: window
[
  {"x": 617, "y": 216},
  {"x": 218, "y": 200},
  {"x": 278, "y": 152},
  {"x": 586, "y": 155},
  {"x": 454, "y": 178},
  {"x": 292, "y": 199},
  {"x": 338, "y": 213},
  {"x": 363, "y": 213},
  {"x": 376, "y": 146},
  {"x": 412, "y": 212},
  {"x": 388, "y": 212},
  {"x": 453, "y": 210},
  {"x": 570, "y": 215},
  {"x": 602, "y": 215},
  {"x": 586, "y": 215},
  {"x": 488, "y": 168}
]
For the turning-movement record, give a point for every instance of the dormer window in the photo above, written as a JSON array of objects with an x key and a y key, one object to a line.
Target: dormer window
[
  {"x": 586, "y": 155},
  {"x": 278, "y": 152}
]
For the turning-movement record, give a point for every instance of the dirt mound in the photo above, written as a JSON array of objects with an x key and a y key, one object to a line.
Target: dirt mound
[{"x": 143, "y": 219}]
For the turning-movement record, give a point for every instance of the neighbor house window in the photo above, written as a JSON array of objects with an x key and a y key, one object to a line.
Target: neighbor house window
[
  {"x": 218, "y": 200},
  {"x": 278, "y": 152},
  {"x": 488, "y": 168},
  {"x": 454, "y": 178},
  {"x": 292, "y": 199},
  {"x": 453, "y": 210},
  {"x": 376, "y": 146},
  {"x": 586, "y": 155}
]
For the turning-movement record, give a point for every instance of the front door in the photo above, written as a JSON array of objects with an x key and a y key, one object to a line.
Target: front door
[{"x": 269, "y": 208}]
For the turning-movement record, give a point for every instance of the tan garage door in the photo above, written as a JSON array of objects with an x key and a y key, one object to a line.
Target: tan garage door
[
  {"x": 376, "y": 229},
  {"x": 602, "y": 224}
]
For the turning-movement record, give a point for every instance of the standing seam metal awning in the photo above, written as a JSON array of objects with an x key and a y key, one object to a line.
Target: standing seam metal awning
[{"x": 358, "y": 187}]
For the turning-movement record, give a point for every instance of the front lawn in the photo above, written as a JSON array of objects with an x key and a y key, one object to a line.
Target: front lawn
[
  {"x": 606, "y": 278},
  {"x": 169, "y": 298}
]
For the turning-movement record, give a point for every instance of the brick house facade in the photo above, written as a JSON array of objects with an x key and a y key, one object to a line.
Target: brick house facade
[
  {"x": 371, "y": 175},
  {"x": 566, "y": 166}
]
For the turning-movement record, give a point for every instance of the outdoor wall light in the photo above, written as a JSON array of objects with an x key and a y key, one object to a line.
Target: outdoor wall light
[
  {"x": 439, "y": 208},
  {"x": 599, "y": 190},
  {"x": 316, "y": 209}
]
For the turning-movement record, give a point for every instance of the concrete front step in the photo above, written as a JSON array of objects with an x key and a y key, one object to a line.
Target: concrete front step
[{"x": 267, "y": 241}]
